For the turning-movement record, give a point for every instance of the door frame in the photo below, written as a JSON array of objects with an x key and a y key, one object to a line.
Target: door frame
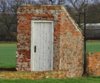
[{"x": 32, "y": 26}]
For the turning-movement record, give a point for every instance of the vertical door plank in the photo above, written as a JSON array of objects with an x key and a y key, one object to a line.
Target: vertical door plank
[{"x": 42, "y": 38}]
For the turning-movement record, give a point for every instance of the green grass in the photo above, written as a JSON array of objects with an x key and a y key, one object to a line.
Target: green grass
[
  {"x": 93, "y": 46},
  {"x": 7, "y": 55},
  {"x": 77, "y": 80},
  {"x": 8, "y": 60},
  {"x": 8, "y": 52}
]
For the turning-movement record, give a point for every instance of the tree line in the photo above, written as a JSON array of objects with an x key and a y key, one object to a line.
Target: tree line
[{"x": 8, "y": 13}]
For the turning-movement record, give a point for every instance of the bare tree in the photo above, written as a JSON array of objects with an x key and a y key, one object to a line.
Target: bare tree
[
  {"x": 46, "y": 2},
  {"x": 8, "y": 16},
  {"x": 79, "y": 6},
  {"x": 61, "y": 2},
  {"x": 51, "y": 2},
  {"x": 96, "y": 1},
  {"x": 4, "y": 17},
  {"x": 3, "y": 6},
  {"x": 8, "y": 13}
]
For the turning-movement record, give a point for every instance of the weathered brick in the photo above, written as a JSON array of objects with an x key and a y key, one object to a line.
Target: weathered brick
[
  {"x": 68, "y": 39},
  {"x": 93, "y": 64}
]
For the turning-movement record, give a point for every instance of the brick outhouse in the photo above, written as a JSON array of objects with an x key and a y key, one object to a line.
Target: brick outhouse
[{"x": 48, "y": 40}]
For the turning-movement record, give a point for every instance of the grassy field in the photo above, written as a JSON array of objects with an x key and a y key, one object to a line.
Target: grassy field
[
  {"x": 8, "y": 52},
  {"x": 7, "y": 55},
  {"x": 8, "y": 60},
  {"x": 77, "y": 80},
  {"x": 93, "y": 46}
]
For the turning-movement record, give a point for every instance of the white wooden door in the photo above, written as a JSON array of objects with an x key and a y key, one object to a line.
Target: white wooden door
[{"x": 42, "y": 46}]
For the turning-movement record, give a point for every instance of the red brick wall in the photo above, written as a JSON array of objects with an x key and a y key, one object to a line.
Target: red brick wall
[
  {"x": 71, "y": 51},
  {"x": 93, "y": 64},
  {"x": 68, "y": 40}
]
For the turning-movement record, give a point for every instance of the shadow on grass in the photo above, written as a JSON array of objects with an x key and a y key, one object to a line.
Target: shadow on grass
[{"x": 8, "y": 69}]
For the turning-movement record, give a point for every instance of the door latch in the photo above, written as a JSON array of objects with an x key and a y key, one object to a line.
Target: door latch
[{"x": 34, "y": 48}]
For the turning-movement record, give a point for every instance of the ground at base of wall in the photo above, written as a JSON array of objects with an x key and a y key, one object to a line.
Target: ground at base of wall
[{"x": 32, "y": 75}]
